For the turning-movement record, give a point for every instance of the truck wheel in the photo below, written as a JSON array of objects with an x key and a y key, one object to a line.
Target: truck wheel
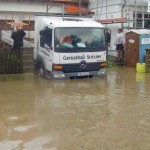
[{"x": 41, "y": 70}]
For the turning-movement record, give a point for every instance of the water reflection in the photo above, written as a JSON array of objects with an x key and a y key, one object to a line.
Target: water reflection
[{"x": 85, "y": 114}]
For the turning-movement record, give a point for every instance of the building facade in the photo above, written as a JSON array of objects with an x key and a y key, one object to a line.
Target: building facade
[
  {"x": 126, "y": 14},
  {"x": 25, "y": 10}
]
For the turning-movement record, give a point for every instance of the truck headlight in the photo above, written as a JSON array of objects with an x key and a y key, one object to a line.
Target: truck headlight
[{"x": 59, "y": 75}]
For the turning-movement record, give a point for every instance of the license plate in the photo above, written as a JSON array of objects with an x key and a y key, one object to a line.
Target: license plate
[{"x": 83, "y": 74}]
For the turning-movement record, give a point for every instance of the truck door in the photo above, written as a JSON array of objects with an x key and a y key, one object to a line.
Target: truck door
[{"x": 46, "y": 46}]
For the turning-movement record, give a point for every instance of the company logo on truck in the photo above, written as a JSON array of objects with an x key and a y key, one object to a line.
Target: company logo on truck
[
  {"x": 82, "y": 57},
  {"x": 83, "y": 64}
]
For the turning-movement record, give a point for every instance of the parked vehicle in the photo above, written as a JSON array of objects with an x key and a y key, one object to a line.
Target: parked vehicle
[{"x": 69, "y": 47}]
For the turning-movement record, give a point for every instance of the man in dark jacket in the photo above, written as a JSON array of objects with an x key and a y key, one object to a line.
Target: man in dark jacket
[{"x": 18, "y": 35}]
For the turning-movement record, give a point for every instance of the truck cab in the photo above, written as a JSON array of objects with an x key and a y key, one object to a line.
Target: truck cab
[{"x": 69, "y": 47}]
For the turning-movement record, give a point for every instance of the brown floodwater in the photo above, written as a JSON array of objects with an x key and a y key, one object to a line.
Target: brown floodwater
[{"x": 111, "y": 113}]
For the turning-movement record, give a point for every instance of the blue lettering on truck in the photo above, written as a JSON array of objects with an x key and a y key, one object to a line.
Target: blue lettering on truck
[{"x": 82, "y": 57}]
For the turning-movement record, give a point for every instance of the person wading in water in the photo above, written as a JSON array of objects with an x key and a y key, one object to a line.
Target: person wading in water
[{"x": 120, "y": 42}]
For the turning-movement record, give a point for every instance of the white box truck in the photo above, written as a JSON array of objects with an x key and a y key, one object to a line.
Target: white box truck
[{"x": 69, "y": 47}]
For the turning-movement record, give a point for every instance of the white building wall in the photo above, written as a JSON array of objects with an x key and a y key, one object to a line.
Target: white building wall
[
  {"x": 27, "y": 7},
  {"x": 21, "y": 10},
  {"x": 113, "y": 9},
  {"x": 138, "y": 2},
  {"x": 100, "y": 7}
]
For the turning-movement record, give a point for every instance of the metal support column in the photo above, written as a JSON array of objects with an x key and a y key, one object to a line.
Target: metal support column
[{"x": 135, "y": 15}]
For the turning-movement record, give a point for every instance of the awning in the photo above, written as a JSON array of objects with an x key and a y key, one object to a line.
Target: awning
[{"x": 114, "y": 20}]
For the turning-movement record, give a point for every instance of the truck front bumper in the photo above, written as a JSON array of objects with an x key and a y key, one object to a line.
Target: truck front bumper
[{"x": 62, "y": 75}]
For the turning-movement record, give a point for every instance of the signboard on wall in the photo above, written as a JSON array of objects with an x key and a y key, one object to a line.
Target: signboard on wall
[{"x": 145, "y": 41}]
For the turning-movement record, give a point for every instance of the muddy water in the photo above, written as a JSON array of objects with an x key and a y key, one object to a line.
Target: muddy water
[{"x": 109, "y": 113}]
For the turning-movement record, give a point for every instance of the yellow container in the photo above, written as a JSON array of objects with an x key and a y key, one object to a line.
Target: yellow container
[{"x": 141, "y": 67}]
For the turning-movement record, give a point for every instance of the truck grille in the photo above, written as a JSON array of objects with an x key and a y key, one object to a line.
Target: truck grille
[{"x": 68, "y": 68}]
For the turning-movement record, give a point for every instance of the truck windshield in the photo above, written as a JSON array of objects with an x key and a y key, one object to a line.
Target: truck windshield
[{"x": 79, "y": 39}]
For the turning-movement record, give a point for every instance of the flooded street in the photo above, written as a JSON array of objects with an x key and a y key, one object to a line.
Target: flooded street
[{"x": 111, "y": 113}]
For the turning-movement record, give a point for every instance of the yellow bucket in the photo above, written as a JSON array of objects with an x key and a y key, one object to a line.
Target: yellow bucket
[{"x": 141, "y": 67}]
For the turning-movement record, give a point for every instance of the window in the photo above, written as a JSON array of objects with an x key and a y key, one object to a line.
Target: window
[
  {"x": 30, "y": 27},
  {"x": 4, "y": 25},
  {"x": 79, "y": 39},
  {"x": 46, "y": 37}
]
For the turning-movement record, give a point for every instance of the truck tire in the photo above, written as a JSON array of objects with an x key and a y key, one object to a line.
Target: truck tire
[{"x": 40, "y": 68}]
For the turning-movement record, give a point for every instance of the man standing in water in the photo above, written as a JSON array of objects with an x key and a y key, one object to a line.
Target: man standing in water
[
  {"x": 120, "y": 41},
  {"x": 18, "y": 35}
]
